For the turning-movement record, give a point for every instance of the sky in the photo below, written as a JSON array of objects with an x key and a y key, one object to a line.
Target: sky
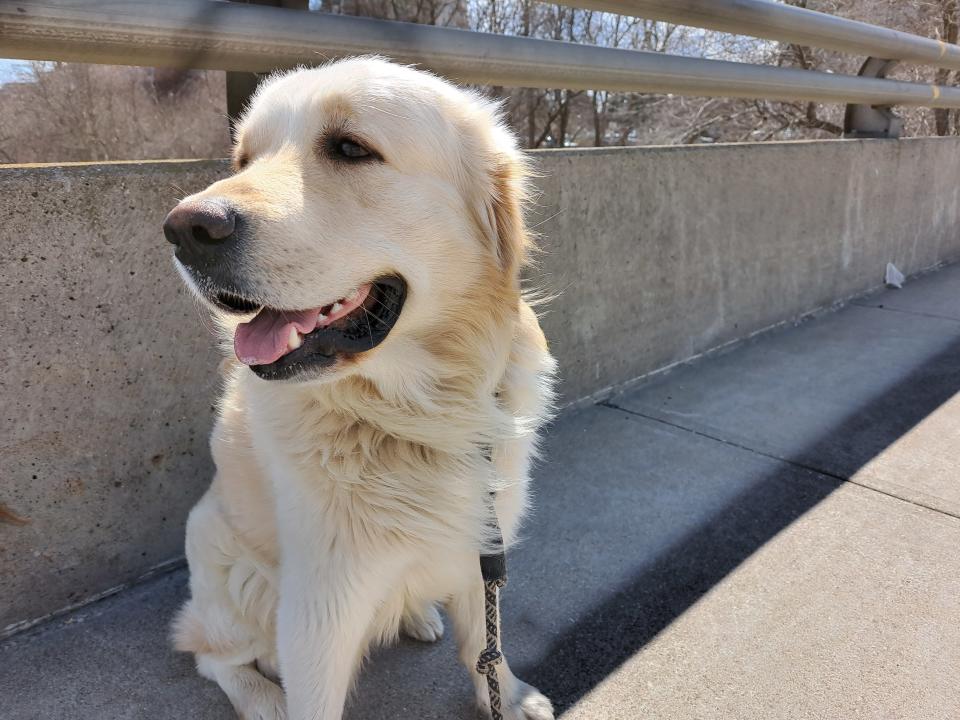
[{"x": 11, "y": 70}]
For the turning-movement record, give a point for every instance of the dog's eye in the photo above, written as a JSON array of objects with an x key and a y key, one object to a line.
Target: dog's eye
[
  {"x": 347, "y": 149},
  {"x": 352, "y": 150}
]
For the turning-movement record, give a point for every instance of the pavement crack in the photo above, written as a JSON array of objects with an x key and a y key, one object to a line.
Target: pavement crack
[
  {"x": 933, "y": 316},
  {"x": 779, "y": 458}
]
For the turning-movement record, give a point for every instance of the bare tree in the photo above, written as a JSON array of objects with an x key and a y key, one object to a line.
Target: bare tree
[
  {"x": 77, "y": 112},
  {"x": 72, "y": 112}
]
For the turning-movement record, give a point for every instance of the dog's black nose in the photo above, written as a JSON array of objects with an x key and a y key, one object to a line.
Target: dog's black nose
[{"x": 199, "y": 224}]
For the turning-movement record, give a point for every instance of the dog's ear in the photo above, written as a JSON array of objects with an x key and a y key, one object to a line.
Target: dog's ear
[
  {"x": 497, "y": 172},
  {"x": 508, "y": 178}
]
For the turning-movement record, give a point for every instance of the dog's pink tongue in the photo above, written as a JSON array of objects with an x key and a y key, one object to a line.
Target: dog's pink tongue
[{"x": 263, "y": 340}]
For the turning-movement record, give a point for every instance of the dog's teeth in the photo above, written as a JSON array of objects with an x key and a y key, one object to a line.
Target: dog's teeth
[
  {"x": 353, "y": 294},
  {"x": 321, "y": 318},
  {"x": 336, "y": 307},
  {"x": 294, "y": 341}
]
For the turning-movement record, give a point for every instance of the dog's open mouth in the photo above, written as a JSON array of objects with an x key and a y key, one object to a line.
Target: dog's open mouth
[{"x": 280, "y": 344}]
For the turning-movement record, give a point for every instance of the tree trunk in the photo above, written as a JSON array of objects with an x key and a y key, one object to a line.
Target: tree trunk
[
  {"x": 597, "y": 132},
  {"x": 941, "y": 116}
]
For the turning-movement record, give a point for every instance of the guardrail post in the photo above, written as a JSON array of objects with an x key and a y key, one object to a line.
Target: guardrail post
[
  {"x": 241, "y": 85},
  {"x": 872, "y": 121}
]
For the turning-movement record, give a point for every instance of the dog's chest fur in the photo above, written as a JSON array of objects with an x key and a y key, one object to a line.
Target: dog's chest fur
[{"x": 363, "y": 479}]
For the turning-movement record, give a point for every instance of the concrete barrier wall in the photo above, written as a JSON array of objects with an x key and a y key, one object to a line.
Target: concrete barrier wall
[
  {"x": 658, "y": 254},
  {"x": 107, "y": 383},
  {"x": 664, "y": 253}
]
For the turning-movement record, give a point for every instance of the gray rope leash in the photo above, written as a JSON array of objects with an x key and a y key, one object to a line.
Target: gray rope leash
[
  {"x": 493, "y": 568},
  {"x": 491, "y": 655}
]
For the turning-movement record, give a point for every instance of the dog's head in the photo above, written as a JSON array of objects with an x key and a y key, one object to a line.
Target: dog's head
[{"x": 374, "y": 209}]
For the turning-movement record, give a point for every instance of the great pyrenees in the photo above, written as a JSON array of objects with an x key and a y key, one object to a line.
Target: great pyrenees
[{"x": 362, "y": 263}]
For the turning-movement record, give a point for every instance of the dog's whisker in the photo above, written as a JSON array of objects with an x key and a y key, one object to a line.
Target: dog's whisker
[
  {"x": 387, "y": 112},
  {"x": 381, "y": 303},
  {"x": 366, "y": 316},
  {"x": 546, "y": 220}
]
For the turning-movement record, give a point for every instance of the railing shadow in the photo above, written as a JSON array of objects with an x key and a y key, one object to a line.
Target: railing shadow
[{"x": 611, "y": 630}]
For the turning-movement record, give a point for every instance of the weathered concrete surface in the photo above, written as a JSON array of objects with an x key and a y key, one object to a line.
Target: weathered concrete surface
[
  {"x": 107, "y": 384},
  {"x": 664, "y": 253},
  {"x": 871, "y": 394},
  {"x": 665, "y": 574},
  {"x": 936, "y": 296},
  {"x": 658, "y": 254}
]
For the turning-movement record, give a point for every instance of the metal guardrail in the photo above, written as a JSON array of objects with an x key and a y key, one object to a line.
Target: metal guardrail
[
  {"x": 228, "y": 36},
  {"x": 787, "y": 23}
]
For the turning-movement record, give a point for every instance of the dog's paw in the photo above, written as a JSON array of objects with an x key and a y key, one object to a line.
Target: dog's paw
[
  {"x": 425, "y": 625},
  {"x": 267, "y": 704},
  {"x": 525, "y": 703},
  {"x": 531, "y": 704}
]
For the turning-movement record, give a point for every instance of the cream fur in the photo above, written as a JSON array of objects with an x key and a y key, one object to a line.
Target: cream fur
[{"x": 345, "y": 508}]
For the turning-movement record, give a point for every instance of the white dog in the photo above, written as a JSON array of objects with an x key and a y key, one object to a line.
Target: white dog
[{"x": 363, "y": 263}]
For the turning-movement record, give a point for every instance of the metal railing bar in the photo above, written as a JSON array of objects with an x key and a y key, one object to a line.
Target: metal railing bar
[
  {"x": 787, "y": 23},
  {"x": 227, "y": 36}
]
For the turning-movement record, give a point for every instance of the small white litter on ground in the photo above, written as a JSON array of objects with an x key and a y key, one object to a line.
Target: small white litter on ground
[{"x": 894, "y": 278}]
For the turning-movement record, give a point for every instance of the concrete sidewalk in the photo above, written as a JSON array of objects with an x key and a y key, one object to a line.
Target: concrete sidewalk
[{"x": 768, "y": 533}]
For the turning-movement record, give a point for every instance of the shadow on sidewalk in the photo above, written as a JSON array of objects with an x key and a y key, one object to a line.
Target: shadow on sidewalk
[{"x": 672, "y": 580}]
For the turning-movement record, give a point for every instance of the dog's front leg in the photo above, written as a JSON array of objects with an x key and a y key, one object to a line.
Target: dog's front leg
[
  {"x": 520, "y": 701},
  {"x": 327, "y": 606}
]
